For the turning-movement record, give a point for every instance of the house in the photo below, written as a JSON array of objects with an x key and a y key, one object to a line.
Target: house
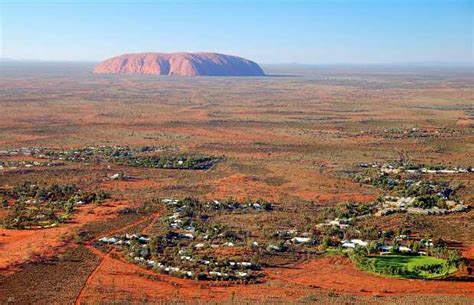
[
  {"x": 117, "y": 176},
  {"x": 460, "y": 208},
  {"x": 273, "y": 248},
  {"x": 447, "y": 171},
  {"x": 404, "y": 249},
  {"x": 302, "y": 240},
  {"x": 150, "y": 262},
  {"x": 353, "y": 243},
  {"x": 384, "y": 248},
  {"x": 143, "y": 239},
  {"x": 386, "y": 211},
  {"x": 340, "y": 223},
  {"x": 186, "y": 235},
  {"x": 419, "y": 211},
  {"x": 348, "y": 245},
  {"x": 359, "y": 242},
  {"x": 241, "y": 274},
  {"x": 169, "y": 201},
  {"x": 111, "y": 240},
  {"x": 389, "y": 170}
]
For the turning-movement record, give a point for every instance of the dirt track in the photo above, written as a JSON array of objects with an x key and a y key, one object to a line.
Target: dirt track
[{"x": 102, "y": 257}]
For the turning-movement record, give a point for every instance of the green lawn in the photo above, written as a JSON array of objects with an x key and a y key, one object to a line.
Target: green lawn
[{"x": 410, "y": 262}]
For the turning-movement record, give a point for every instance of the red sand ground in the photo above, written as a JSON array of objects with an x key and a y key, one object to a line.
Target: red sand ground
[
  {"x": 18, "y": 246},
  {"x": 242, "y": 187}
]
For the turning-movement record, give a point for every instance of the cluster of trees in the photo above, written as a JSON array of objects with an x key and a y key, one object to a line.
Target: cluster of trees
[
  {"x": 352, "y": 209},
  {"x": 31, "y": 190},
  {"x": 439, "y": 268},
  {"x": 45, "y": 206},
  {"x": 133, "y": 156},
  {"x": 452, "y": 257},
  {"x": 102, "y": 151},
  {"x": 96, "y": 154},
  {"x": 430, "y": 201},
  {"x": 173, "y": 162},
  {"x": 391, "y": 270}
]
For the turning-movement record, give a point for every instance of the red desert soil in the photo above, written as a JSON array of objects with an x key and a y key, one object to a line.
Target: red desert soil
[
  {"x": 242, "y": 187},
  {"x": 120, "y": 280},
  {"x": 181, "y": 64},
  {"x": 136, "y": 184},
  {"x": 17, "y": 246},
  {"x": 469, "y": 251}
]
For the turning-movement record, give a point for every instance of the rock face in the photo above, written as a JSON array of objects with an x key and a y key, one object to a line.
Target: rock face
[{"x": 181, "y": 64}]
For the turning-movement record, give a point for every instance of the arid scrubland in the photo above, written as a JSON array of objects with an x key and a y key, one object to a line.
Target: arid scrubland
[{"x": 297, "y": 139}]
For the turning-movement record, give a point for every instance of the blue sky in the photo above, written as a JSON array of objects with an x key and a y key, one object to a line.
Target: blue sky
[{"x": 313, "y": 32}]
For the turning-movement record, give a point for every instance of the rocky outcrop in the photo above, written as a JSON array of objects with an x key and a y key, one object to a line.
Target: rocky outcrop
[{"x": 180, "y": 64}]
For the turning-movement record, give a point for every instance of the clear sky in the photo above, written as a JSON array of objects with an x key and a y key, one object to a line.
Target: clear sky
[{"x": 313, "y": 32}]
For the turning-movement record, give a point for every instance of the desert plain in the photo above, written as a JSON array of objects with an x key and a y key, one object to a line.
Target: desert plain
[{"x": 295, "y": 138}]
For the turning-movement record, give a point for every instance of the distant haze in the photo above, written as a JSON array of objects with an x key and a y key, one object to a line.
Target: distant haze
[{"x": 305, "y": 32}]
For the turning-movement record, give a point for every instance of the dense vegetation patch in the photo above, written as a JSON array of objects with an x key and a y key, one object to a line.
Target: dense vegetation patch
[
  {"x": 31, "y": 205},
  {"x": 195, "y": 162},
  {"x": 144, "y": 156}
]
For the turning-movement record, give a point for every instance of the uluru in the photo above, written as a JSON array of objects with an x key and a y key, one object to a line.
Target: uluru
[{"x": 180, "y": 64}]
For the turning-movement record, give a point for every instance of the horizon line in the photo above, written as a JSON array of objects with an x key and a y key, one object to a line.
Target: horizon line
[{"x": 401, "y": 63}]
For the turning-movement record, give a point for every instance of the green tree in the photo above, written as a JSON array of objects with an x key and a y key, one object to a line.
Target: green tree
[
  {"x": 395, "y": 246},
  {"x": 416, "y": 247},
  {"x": 372, "y": 248}
]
